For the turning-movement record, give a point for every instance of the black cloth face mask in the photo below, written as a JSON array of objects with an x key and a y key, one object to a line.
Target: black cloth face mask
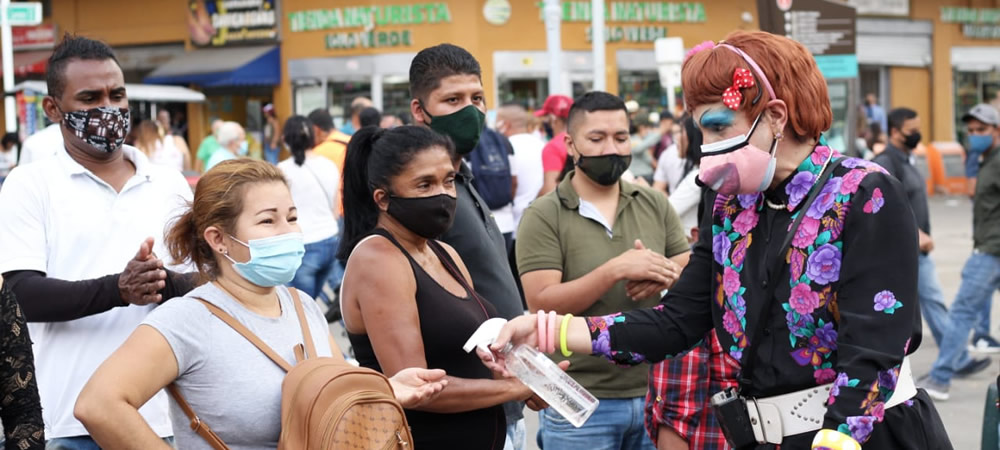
[
  {"x": 604, "y": 169},
  {"x": 428, "y": 217}
]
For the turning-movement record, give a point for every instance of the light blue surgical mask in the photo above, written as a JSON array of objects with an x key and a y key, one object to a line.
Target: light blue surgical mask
[
  {"x": 273, "y": 261},
  {"x": 244, "y": 148},
  {"x": 978, "y": 144}
]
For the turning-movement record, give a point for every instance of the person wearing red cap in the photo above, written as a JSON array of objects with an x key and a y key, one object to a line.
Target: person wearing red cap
[{"x": 554, "y": 111}]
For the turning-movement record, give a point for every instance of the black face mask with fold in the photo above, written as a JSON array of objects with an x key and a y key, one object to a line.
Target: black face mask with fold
[
  {"x": 428, "y": 217},
  {"x": 605, "y": 169}
]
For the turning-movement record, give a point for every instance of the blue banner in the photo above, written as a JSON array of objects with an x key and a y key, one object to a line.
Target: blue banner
[{"x": 838, "y": 66}]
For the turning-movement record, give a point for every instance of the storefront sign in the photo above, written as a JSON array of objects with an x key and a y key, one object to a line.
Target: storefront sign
[
  {"x": 881, "y": 7},
  {"x": 368, "y": 39},
  {"x": 32, "y": 38},
  {"x": 217, "y": 23},
  {"x": 630, "y": 34},
  {"x": 368, "y": 16},
  {"x": 671, "y": 12},
  {"x": 822, "y": 26},
  {"x": 977, "y": 23},
  {"x": 955, "y": 14}
]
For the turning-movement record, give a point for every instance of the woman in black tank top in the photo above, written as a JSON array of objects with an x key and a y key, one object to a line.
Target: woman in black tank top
[{"x": 406, "y": 298}]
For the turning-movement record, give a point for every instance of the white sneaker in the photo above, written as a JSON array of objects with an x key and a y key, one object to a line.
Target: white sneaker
[
  {"x": 984, "y": 344},
  {"x": 935, "y": 390}
]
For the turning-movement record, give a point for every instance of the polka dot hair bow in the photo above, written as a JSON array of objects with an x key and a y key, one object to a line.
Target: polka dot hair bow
[{"x": 732, "y": 97}]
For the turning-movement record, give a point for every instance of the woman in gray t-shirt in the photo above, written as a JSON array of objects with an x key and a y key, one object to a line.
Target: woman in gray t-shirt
[{"x": 242, "y": 235}]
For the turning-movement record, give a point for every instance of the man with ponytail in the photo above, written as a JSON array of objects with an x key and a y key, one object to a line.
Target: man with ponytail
[
  {"x": 446, "y": 87},
  {"x": 82, "y": 235}
]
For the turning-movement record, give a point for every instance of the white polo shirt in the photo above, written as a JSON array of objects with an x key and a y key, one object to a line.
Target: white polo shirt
[
  {"x": 42, "y": 145},
  {"x": 59, "y": 218}
]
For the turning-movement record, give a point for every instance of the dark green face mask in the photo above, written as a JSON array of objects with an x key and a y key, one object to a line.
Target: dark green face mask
[
  {"x": 605, "y": 169},
  {"x": 463, "y": 126}
]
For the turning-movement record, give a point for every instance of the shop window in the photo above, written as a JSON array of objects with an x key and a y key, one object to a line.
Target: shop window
[
  {"x": 308, "y": 96},
  {"x": 871, "y": 81},
  {"x": 972, "y": 88},
  {"x": 527, "y": 92},
  {"x": 341, "y": 94},
  {"x": 396, "y": 97},
  {"x": 644, "y": 88},
  {"x": 582, "y": 87}
]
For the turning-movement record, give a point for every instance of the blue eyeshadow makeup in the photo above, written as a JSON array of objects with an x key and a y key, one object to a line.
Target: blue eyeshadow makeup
[{"x": 718, "y": 117}]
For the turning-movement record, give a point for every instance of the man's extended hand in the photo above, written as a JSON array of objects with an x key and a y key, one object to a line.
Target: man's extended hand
[{"x": 143, "y": 277}]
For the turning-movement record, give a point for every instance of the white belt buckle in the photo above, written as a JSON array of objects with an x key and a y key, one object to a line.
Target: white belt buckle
[{"x": 765, "y": 420}]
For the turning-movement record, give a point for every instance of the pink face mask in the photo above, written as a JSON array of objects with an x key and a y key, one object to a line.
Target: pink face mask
[{"x": 735, "y": 166}]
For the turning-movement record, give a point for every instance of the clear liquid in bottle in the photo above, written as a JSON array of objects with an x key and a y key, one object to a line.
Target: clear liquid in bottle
[
  {"x": 552, "y": 384},
  {"x": 539, "y": 373}
]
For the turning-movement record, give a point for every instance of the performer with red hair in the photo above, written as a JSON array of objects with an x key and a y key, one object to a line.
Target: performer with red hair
[{"x": 806, "y": 268}]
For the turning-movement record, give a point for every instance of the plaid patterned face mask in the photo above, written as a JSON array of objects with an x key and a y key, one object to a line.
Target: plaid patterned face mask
[{"x": 103, "y": 128}]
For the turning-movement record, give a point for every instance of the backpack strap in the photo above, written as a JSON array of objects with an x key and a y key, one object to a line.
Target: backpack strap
[
  {"x": 199, "y": 427},
  {"x": 304, "y": 324},
  {"x": 236, "y": 325}
]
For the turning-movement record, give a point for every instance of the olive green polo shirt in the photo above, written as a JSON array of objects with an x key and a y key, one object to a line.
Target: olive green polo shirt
[{"x": 556, "y": 234}]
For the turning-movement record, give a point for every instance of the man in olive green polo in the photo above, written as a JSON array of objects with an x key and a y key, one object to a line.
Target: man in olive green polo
[{"x": 594, "y": 246}]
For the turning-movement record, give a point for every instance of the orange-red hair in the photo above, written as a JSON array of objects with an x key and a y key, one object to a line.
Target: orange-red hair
[{"x": 788, "y": 66}]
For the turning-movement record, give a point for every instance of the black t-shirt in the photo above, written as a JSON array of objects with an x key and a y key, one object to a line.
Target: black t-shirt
[{"x": 897, "y": 162}]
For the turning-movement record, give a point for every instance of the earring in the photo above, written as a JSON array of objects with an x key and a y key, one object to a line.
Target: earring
[{"x": 779, "y": 136}]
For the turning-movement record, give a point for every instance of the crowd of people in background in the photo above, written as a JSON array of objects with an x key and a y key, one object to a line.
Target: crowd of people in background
[{"x": 414, "y": 228}]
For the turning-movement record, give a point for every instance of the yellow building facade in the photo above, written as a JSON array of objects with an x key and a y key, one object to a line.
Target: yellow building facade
[{"x": 919, "y": 54}]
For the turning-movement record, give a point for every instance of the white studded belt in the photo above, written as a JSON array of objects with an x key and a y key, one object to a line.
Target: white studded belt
[{"x": 773, "y": 418}]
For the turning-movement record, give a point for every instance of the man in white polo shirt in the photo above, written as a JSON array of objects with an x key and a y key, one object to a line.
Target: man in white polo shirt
[{"x": 79, "y": 236}]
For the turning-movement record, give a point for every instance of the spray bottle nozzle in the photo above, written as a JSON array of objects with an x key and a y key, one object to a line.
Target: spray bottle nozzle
[{"x": 485, "y": 335}]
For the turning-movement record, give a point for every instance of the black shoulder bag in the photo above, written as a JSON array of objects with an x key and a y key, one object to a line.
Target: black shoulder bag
[{"x": 729, "y": 405}]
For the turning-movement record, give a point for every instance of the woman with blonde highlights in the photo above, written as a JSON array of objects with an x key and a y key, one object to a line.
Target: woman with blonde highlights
[{"x": 806, "y": 268}]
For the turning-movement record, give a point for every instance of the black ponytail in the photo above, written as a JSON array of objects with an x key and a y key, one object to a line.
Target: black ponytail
[
  {"x": 298, "y": 136},
  {"x": 360, "y": 210},
  {"x": 374, "y": 157}
]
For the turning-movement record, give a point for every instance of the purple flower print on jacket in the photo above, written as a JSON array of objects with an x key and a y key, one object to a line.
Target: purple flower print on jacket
[
  {"x": 826, "y": 198},
  {"x": 824, "y": 265},
  {"x": 720, "y": 247},
  {"x": 798, "y": 188}
]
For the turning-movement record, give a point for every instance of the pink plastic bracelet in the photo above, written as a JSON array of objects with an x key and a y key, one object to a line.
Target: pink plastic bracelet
[
  {"x": 551, "y": 341},
  {"x": 542, "y": 335}
]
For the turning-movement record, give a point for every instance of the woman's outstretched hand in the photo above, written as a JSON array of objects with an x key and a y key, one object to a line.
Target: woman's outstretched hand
[{"x": 415, "y": 386}]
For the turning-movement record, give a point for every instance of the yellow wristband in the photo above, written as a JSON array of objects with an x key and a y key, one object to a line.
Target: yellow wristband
[
  {"x": 834, "y": 440},
  {"x": 562, "y": 335}
]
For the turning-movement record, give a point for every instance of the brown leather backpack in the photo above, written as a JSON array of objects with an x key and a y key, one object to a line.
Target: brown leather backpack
[{"x": 325, "y": 403}]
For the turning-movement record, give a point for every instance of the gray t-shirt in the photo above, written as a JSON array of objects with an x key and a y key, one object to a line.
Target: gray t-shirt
[{"x": 230, "y": 384}]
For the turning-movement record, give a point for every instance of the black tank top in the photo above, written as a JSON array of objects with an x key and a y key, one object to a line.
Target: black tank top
[{"x": 446, "y": 322}]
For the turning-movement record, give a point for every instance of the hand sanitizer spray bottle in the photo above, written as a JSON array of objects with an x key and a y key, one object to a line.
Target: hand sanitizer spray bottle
[{"x": 539, "y": 373}]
